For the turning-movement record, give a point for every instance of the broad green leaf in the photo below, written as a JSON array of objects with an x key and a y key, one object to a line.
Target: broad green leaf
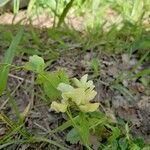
[
  {"x": 51, "y": 91},
  {"x": 123, "y": 143},
  {"x": 36, "y": 64},
  {"x": 84, "y": 128},
  {"x": 63, "y": 77},
  {"x": 65, "y": 125},
  {"x": 139, "y": 142},
  {"x": 134, "y": 147},
  {"x": 73, "y": 136},
  {"x": 10, "y": 53},
  {"x": 115, "y": 134},
  {"x": 51, "y": 82},
  {"x": 112, "y": 146}
]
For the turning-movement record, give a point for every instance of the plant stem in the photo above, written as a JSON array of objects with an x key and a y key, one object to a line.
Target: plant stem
[{"x": 71, "y": 118}]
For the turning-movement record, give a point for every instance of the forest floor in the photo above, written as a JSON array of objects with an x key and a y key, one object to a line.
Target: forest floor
[{"x": 122, "y": 94}]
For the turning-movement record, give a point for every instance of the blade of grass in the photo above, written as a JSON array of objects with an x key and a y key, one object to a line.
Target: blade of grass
[
  {"x": 30, "y": 6},
  {"x": 10, "y": 143},
  {"x": 140, "y": 61},
  {"x": 10, "y": 53},
  {"x": 14, "y": 106},
  {"x": 64, "y": 126},
  {"x": 142, "y": 73},
  {"x": 6, "y": 120},
  {"x": 43, "y": 139},
  {"x": 32, "y": 140},
  {"x": 9, "y": 135},
  {"x": 64, "y": 13},
  {"x": 13, "y": 125},
  {"x": 16, "y": 6}
]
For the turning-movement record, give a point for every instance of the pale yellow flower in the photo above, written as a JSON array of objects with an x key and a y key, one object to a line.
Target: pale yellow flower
[
  {"x": 76, "y": 95},
  {"x": 90, "y": 94},
  {"x": 63, "y": 87},
  {"x": 80, "y": 96}
]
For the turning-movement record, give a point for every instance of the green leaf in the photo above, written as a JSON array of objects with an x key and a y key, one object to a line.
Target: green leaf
[
  {"x": 112, "y": 146},
  {"x": 65, "y": 125},
  {"x": 36, "y": 64},
  {"x": 51, "y": 83},
  {"x": 139, "y": 142},
  {"x": 115, "y": 134},
  {"x": 123, "y": 143},
  {"x": 10, "y": 53},
  {"x": 84, "y": 128},
  {"x": 50, "y": 86},
  {"x": 64, "y": 13},
  {"x": 134, "y": 147},
  {"x": 63, "y": 77},
  {"x": 73, "y": 136}
]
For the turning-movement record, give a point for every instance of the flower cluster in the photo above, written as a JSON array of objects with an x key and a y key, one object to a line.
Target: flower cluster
[{"x": 79, "y": 97}]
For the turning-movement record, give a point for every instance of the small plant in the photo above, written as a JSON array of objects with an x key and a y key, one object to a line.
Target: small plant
[
  {"x": 83, "y": 114},
  {"x": 84, "y": 118},
  {"x": 48, "y": 80},
  {"x": 95, "y": 65}
]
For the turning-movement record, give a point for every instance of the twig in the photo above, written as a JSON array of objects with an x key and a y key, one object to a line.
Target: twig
[
  {"x": 5, "y": 102},
  {"x": 19, "y": 78}
]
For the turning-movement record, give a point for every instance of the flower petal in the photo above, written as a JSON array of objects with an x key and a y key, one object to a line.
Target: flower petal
[
  {"x": 64, "y": 87},
  {"x": 76, "y": 82},
  {"x": 90, "y": 107},
  {"x": 76, "y": 95},
  {"x": 59, "y": 107},
  {"x": 83, "y": 83},
  {"x": 90, "y": 94},
  {"x": 90, "y": 85},
  {"x": 84, "y": 78}
]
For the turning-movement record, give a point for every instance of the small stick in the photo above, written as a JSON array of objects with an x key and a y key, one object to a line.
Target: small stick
[{"x": 19, "y": 78}]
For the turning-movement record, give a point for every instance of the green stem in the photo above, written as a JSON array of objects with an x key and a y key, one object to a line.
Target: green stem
[
  {"x": 71, "y": 118},
  {"x": 76, "y": 126}
]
